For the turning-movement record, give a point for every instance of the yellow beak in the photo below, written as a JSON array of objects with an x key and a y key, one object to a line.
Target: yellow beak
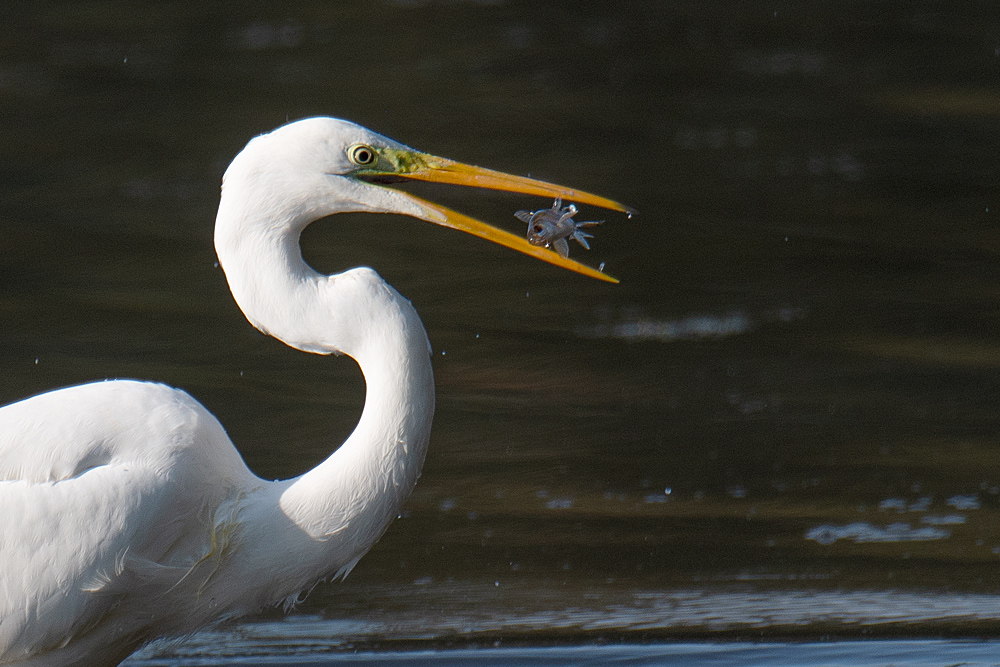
[{"x": 424, "y": 167}]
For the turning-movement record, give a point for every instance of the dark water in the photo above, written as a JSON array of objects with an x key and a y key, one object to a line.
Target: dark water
[{"x": 783, "y": 422}]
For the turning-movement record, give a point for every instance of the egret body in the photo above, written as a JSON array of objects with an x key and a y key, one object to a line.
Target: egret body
[{"x": 127, "y": 513}]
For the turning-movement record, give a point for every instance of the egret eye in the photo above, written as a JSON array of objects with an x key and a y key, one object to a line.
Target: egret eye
[{"x": 361, "y": 155}]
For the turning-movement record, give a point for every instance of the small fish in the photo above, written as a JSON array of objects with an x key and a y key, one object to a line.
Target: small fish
[{"x": 552, "y": 226}]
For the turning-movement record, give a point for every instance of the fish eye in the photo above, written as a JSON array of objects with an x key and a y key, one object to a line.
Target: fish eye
[{"x": 361, "y": 155}]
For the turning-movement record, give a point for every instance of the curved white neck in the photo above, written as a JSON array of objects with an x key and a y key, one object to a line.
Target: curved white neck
[
  {"x": 364, "y": 483},
  {"x": 340, "y": 508}
]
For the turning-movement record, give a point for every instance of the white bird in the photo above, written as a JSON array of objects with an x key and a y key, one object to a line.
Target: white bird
[{"x": 126, "y": 513}]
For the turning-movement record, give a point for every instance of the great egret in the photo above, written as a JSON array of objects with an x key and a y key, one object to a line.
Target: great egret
[{"x": 126, "y": 513}]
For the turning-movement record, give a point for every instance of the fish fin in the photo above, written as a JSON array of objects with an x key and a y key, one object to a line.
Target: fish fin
[
  {"x": 581, "y": 238},
  {"x": 588, "y": 223},
  {"x": 523, "y": 216},
  {"x": 561, "y": 247}
]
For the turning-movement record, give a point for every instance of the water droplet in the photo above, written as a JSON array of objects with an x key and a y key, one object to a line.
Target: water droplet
[
  {"x": 443, "y": 353},
  {"x": 36, "y": 361},
  {"x": 496, "y": 583},
  {"x": 601, "y": 267},
  {"x": 629, "y": 215},
  {"x": 667, "y": 491}
]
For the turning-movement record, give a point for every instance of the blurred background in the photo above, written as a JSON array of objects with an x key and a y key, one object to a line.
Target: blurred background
[{"x": 784, "y": 420}]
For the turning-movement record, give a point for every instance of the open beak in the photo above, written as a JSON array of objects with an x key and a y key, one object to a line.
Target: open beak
[{"x": 408, "y": 164}]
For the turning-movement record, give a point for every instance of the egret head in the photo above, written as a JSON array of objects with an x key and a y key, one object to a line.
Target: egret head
[{"x": 322, "y": 166}]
